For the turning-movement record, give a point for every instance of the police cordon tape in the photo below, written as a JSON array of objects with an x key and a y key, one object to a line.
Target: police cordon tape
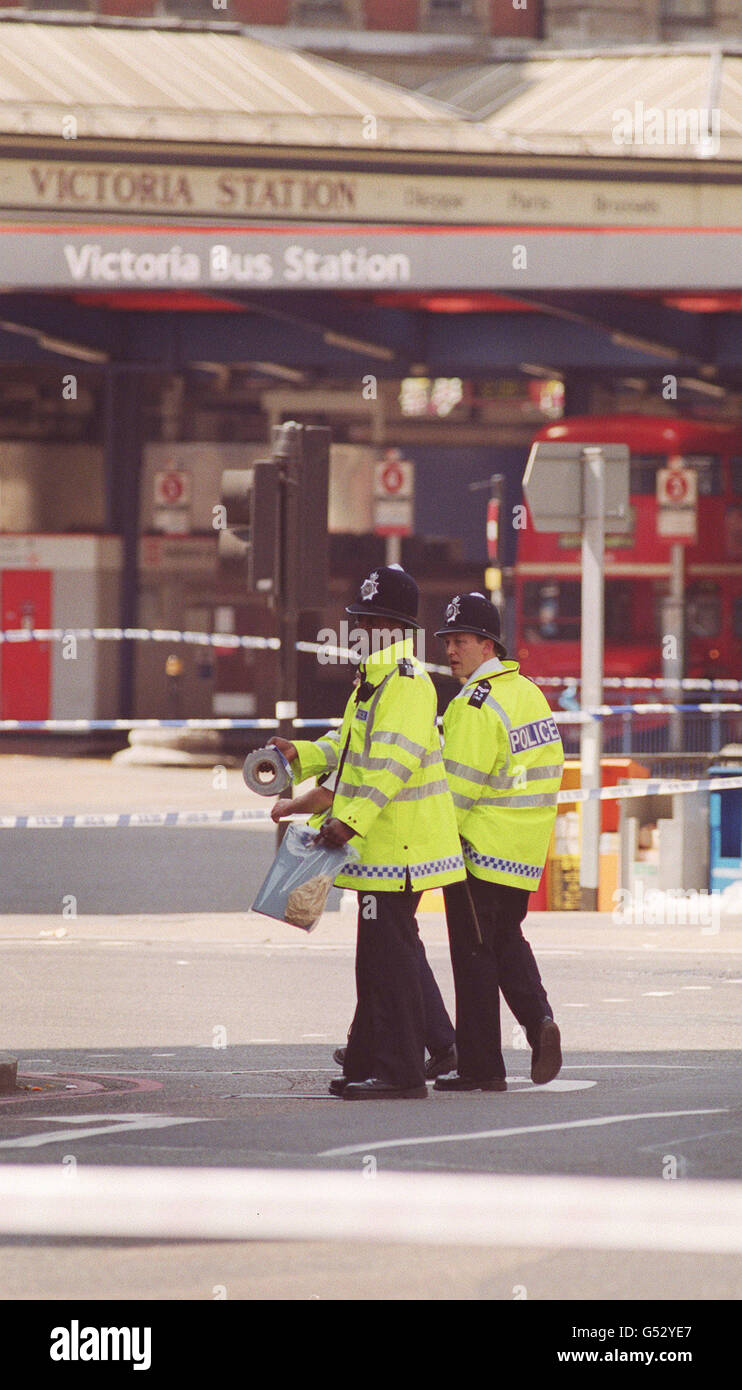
[
  {"x": 175, "y": 819},
  {"x": 235, "y": 640},
  {"x": 231, "y": 640},
  {"x": 137, "y": 634},
  {"x": 643, "y": 683},
  {"x": 559, "y": 716},
  {"x": 85, "y": 726}
]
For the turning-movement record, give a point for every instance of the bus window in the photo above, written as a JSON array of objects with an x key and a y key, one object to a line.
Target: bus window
[
  {"x": 643, "y": 473},
  {"x": 708, "y": 469},
  {"x": 551, "y": 612},
  {"x": 735, "y": 468},
  {"x": 703, "y": 609}
]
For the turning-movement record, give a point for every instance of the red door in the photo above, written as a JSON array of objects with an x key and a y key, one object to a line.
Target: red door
[{"x": 25, "y": 667}]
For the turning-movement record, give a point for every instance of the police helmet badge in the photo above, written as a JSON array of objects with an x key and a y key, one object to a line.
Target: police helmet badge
[
  {"x": 454, "y": 607},
  {"x": 370, "y": 586}
]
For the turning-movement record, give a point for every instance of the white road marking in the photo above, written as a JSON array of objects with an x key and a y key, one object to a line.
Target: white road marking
[
  {"x": 115, "y": 1124},
  {"x": 280, "y": 1095},
  {"x": 657, "y": 993},
  {"x": 614, "y": 1001},
  {"x": 573, "y": 1006},
  {"x": 508, "y": 1133},
  {"x": 635, "y": 1066},
  {"x": 527, "y": 1087},
  {"x": 206, "y": 1071},
  {"x": 414, "y": 1208}
]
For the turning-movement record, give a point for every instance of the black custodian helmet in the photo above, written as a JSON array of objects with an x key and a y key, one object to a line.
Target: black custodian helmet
[
  {"x": 388, "y": 592},
  {"x": 473, "y": 613}
]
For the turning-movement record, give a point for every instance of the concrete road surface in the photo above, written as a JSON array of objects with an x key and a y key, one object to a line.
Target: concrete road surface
[{"x": 205, "y": 1042}]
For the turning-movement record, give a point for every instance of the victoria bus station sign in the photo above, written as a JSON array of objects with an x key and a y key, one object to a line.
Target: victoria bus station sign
[{"x": 306, "y": 256}]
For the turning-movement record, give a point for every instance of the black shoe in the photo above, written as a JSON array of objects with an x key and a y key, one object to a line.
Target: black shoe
[
  {"x": 374, "y": 1089},
  {"x": 470, "y": 1083},
  {"x": 339, "y": 1056},
  {"x": 337, "y": 1085},
  {"x": 546, "y": 1058},
  {"x": 440, "y": 1063}
]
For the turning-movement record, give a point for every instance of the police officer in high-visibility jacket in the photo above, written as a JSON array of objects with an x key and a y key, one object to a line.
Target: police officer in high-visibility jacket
[
  {"x": 504, "y": 761},
  {"x": 392, "y": 797}
]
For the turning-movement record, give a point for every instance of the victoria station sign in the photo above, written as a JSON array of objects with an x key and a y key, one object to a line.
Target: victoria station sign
[{"x": 249, "y": 191}]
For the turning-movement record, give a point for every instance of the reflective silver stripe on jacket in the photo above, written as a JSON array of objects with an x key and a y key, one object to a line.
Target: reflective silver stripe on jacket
[
  {"x": 391, "y": 765},
  {"x": 502, "y": 780},
  {"x": 373, "y": 793},
  {"x": 541, "y": 799},
  {"x": 488, "y": 700},
  {"x": 470, "y": 774},
  {"x": 465, "y": 802},
  {"x": 492, "y": 702},
  {"x": 330, "y": 751},
  {"x": 406, "y": 794},
  {"x": 420, "y": 793},
  {"x": 371, "y": 712},
  {"x": 387, "y": 736},
  {"x": 379, "y": 765}
]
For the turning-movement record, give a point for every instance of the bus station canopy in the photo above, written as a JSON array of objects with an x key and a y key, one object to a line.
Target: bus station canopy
[
  {"x": 578, "y": 103},
  {"x": 158, "y": 81}
]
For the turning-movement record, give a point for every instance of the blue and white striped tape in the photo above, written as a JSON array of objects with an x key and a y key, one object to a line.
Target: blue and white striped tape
[
  {"x": 229, "y": 640},
  {"x": 138, "y": 634},
  {"x": 86, "y": 726},
  {"x": 171, "y": 819},
  {"x": 651, "y": 786},
  {"x": 658, "y": 708},
  {"x": 643, "y": 683},
  {"x": 99, "y": 725},
  {"x": 115, "y": 820},
  {"x": 234, "y": 640}
]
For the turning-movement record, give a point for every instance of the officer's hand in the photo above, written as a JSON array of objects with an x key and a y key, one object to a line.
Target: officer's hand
[
  {"x": 283, "y": 807},
  {"x": 283, "y": 746},
  {"x": 334, "y": 833}
]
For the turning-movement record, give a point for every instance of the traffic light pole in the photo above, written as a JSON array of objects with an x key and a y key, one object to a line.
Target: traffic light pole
[{"x": 592, "y": 620}]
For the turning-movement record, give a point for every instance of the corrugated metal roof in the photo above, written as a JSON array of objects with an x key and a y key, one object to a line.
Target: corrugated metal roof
[
  {"x": 188, "y": 84},
  {"x": 568, "y": 104}
]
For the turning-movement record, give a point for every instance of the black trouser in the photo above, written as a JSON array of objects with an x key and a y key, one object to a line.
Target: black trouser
[
  {"x": 503, "y": 961},
  {"x": 387, "y": 1036},
  {"x": 440, "y": 1034}
]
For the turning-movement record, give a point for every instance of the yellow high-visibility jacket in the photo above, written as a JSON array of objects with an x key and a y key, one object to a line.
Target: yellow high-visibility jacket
[
  {"x": 392, "y": 789},
  {"x": 504, "y": 761}
]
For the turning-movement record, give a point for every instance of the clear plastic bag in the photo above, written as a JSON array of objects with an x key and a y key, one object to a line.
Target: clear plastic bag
[{"x": 299, "y": 880}]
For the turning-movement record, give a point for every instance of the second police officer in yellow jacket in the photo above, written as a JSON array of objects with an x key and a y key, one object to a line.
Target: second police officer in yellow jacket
[{"x": 504, "y": 761}]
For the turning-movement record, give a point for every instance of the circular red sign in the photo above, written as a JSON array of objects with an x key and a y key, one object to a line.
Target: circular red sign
[
  {"x": 392, "y": 477},
  {"x": 676, "y": 487},
  {"x": 171, "y": 487}
]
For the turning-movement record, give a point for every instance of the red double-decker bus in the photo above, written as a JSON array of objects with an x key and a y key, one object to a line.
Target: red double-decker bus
[{"x": 637, "y": 568}]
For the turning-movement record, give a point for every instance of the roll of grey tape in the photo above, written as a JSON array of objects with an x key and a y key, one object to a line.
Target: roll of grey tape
[{"x": 266, "y": 772}]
